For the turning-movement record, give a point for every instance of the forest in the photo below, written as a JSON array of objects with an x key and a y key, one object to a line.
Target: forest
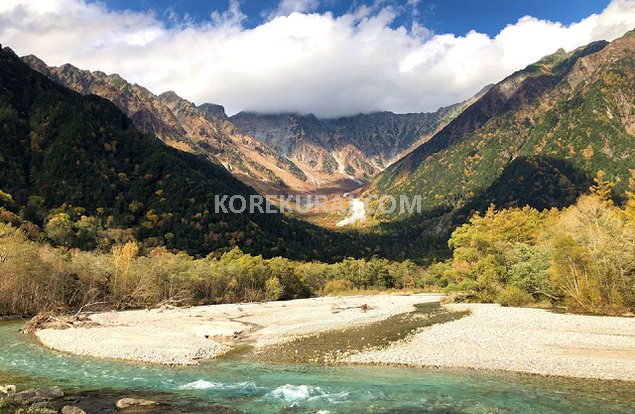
[{"x": 580, "y": 258}]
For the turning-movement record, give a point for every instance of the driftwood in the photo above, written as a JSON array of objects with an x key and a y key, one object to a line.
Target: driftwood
[
  {"x": 48, "y": 320},
  {"x": 364, "y": 308}
]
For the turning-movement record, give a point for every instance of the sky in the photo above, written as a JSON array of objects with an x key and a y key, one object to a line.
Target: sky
[
  {"x": 440, "y": 16},
  {"x": 327, "y": 57}
]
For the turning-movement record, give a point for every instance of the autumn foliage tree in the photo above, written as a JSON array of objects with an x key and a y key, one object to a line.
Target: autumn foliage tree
[{"x": 582, "y": 257}]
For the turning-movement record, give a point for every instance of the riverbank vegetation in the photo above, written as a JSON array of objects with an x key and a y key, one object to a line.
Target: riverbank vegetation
[
  {"x": 581, "y": 257},
  {"x": 36, "y": 277}
]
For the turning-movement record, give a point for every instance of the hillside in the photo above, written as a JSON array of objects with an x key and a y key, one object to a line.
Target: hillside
[
  {"x": 75, "y": 165},
  {"x": 536, "y": 138},
  {"x": 203, "y": 130}
]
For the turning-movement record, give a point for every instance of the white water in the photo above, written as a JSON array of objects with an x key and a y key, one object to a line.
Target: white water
[{"x": 357, "y": 213}]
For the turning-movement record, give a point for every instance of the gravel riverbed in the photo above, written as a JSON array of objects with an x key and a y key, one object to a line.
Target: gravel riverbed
[
  {"x": 522, "y": 340},
  {"x": 185, "y": 336}
]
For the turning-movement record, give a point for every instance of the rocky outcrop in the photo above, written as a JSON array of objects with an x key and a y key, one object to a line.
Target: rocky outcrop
[
  {"x": 213, "y": 111},
  {"x": 35, "y": 395}
]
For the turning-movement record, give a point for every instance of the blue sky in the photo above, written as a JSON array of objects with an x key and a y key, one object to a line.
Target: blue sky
[
  {"x": 441, "y": 16},
  {"x": 331, "y": 58}
]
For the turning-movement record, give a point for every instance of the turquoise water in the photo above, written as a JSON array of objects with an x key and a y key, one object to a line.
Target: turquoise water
[{"x": 256, "y": 388}]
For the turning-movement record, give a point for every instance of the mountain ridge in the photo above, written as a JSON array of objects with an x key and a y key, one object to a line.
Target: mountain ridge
[
  {"x": 181, "y": 124},
  {"x": 569, "y": 106},
  {"x": 284, "y": 153},
  {"x": 378, "y": 138}
]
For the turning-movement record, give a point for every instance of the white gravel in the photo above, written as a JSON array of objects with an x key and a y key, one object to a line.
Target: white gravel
[
  {"x": 162, "y": 346},
  {"x": 522, "y": 340},
  {"x": 183, "y": 336}
]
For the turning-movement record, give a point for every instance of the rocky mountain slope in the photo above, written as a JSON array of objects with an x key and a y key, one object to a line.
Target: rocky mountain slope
[
  {"x": 359, "y": 146},
  {"x": 537, "y": 137},
  {"x": 273, "y": 153}
]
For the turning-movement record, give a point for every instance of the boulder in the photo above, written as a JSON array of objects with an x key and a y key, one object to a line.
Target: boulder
[
  {"x": 49, "y": 393},
  {"x": 134, "y": 402},
  {"x": 23, "y": 397},
  {"x": 37, "y": 395},
  {"x": 71, "y": 409}
]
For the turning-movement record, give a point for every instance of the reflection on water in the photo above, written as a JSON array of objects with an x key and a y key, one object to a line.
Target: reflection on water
[{"x": 268, "y": 388}]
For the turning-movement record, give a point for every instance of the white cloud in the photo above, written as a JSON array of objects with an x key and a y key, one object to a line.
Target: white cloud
[
  {"x": 294, "y": 62},
  {"x": 286, "y": 7}
]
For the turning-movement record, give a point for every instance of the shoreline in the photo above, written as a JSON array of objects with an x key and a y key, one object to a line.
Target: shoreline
[{"x": 520, "y": 340}]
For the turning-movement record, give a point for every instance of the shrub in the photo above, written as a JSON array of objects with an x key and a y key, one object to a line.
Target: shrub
[
  {"x": 334, "y": 287},
  {"x": 273, "y": 289},
  {"x": 514, "y": 296}
]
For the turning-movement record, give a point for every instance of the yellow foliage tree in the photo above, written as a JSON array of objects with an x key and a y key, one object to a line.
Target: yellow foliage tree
[
  {"x": 124, "y": 286},
  {"x": 630, "y": 202},
  {"x": 603, "y": 187},
  {"x": 594, "y": 257}
]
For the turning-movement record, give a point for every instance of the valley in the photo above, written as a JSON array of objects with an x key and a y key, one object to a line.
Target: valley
[{"x": 301, "y": 207}]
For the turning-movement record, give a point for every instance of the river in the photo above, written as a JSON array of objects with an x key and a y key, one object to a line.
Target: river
[{"x": 243, "y": 386}]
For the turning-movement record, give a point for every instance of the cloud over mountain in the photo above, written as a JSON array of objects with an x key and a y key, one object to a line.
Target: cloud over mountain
[{"x": 296, "y": 60}]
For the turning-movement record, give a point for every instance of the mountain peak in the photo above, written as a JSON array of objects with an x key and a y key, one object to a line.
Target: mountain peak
[
  {"x": 213, "y": 110},
  {"x": 8, "y": 52},
  {"x": 169, "y": 96}
]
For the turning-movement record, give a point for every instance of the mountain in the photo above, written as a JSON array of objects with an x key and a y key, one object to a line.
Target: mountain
[
  {"x": 385, "y": 137},
  {"x": 203, "y": 130},
  {"x": 359, "y": 146},
  {"x": 76, "y": 165},
  {"x": 308, "y": 142},
  {"x": 538, "y": 137},
  {"x": 271, "y": 152}
]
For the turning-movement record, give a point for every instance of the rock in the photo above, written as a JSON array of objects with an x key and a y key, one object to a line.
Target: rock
[
  {"x": 37, "y": 395},
  {"x": 7, "y": 390},
  {"x": 49, "y": 393},
  {"x": 71, "y": 409},
  {"x": 134, "y": 402},
  {"x": 23, "y": 397}
]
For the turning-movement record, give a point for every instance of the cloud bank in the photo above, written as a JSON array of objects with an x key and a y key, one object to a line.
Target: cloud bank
[{"x": 297, "y": 60}]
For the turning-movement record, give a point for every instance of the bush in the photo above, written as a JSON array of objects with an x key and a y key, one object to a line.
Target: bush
[
  {"x": 29, "y": 283},
  {"x": 513, "y": 296},
  {"x": 334, "y": 287},
  {"x": 273, "y": 289}
]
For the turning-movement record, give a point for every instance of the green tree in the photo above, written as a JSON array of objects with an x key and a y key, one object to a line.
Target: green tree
[
  {"x": 483, "y": 250},
  {"x": 59, "y": 229}
]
